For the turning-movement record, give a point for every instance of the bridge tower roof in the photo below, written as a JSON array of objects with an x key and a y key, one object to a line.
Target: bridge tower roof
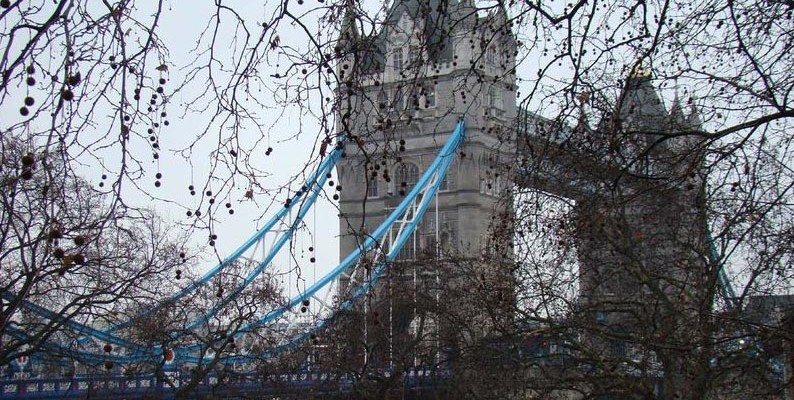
[
  {"x": 348, "y": 35},
  {"x": 677, "y": 116},
  {"x": 640, "y": 107}
]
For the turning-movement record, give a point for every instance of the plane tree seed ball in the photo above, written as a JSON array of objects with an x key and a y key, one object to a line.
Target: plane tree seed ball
[
  {"x": 28, "y": 160},
  {"x": 67, "y": 95}
]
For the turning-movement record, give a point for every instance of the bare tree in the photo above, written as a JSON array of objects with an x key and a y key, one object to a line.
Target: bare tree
[
  {"x": 661, "y": 128},
  {"x": 66, "y": 249}
]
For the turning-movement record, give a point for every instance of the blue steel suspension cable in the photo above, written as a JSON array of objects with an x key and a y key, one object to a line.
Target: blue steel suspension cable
[
  {"x": 74, "y": 325},
  {"x": 283, "y": 239},
  {"x": 439, "y": 166},
  {"x": 380, "y": 268},
  {"x": 84, "y": 356},
  {"x": 314, "y": 185}
]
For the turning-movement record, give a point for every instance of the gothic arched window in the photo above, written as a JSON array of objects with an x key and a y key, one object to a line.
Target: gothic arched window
[
  {"x": 372, "y": 187},
  {"x": 430, "y": 95},
  {"x": 397, "y": 60},
  {"x": 406, "y": 176}
]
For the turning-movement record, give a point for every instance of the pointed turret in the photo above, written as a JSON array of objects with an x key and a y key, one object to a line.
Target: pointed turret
[
  {"x": 582, "y": 126},
  {"x": 641, "y": 111},
  {"x": 693, "y": 121},
  {"x": 348, "y": 46},
  {"x": 500, "y": 15},
  {"x": 682, "y": 139},
  {"x": 348, "y": 34},
  {"x": 677, "y": 117},
  {"x": 502, "y": 22},
  {"x": 641, "y": 107}
]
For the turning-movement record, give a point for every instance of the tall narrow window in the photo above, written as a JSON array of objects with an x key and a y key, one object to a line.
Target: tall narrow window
[
  {"x": 397, "y": 60},
  {"x": 430, "y": 96},
  {"x": 490, "y": 56},
  {"x": 487, "y": 186},
  {"x": 495, "y": 98},
  {"x": 413, "y": 56},
  {"x": 408, "y": 252},
  {"x": 406, "y": 176},
  {"x": 372, "y": 187}
]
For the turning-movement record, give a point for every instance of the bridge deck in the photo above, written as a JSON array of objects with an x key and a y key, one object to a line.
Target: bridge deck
[{"x": 230, "y": 386}]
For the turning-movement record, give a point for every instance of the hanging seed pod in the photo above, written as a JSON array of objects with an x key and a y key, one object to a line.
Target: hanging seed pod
[
  {"x": 78, "y": 259},
  {"x": 58, "y": 253},
  {"x": 28, "y": 160},
  {"x": 55, "y": 233},
  {"x": 66, "y": 261},
  {"x": 67, "y": 95},
  {"x": 79, "y": 240},
  {"x": 74, "y": 80}
]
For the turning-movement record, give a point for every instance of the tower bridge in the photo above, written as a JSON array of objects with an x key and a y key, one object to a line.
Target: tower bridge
[{"x": 432, "y": 138}]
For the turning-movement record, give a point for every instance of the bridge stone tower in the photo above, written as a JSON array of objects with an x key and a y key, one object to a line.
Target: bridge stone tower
[
  {"x": 432, "y": 63},
  {"x": 403, "y": 89},
  {"x": 637, "y": 181}
]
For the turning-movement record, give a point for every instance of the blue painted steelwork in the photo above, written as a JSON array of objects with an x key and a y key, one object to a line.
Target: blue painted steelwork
[
  {"x": 75, "y": 326},
  {"x": 428, "y": 185},
  {"x": 317, "y": 183},
  {"x": 314, "y": 185}
]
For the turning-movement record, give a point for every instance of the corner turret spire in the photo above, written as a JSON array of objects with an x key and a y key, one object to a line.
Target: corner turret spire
[
  {"x": 348, "y": 34},
  {"x": 677, "y": 114},
  {"x": 641, "y": 110},
  {"x": 581, "y": 124},
  {"x": 693, "y": 122}
]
